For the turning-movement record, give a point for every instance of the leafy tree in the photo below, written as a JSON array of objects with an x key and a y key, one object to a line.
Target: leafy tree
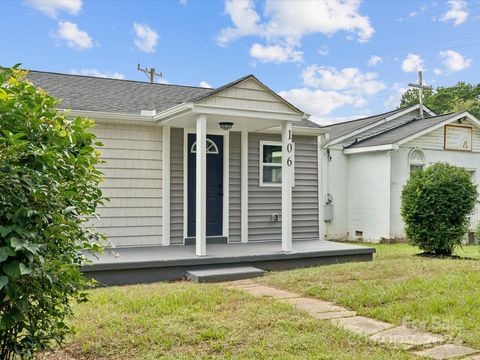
[
  {"x": 442, "y": 100},
  {"x": 48, "y": 188},
  {"x": 436, "y": 204}
]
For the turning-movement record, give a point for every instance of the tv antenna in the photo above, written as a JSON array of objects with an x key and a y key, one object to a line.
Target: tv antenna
[{"x": 150, "y": 73}]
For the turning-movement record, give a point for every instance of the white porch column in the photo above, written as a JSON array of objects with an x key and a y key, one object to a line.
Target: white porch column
[
  {"x": 287, "y": 183},
  {"x": 244, "y": 186},
  {"x": 201, "y": 191},
  {"x": 166, "y": 185}
]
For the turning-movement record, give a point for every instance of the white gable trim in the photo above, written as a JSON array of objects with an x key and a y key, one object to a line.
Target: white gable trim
[
  {"x": 371, "y": 148},
  {"x": 367, "y": 127},
  {"x": 264, "y": 87},
  {"x": 465, "y": 114},
  {"x": 395, "y": 146}
]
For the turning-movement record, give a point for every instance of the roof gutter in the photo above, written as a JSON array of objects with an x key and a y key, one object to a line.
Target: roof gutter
[
  {"x": 370, "y": 149},
  {"x": 108, "y": 116},
  {"x": 173, "y": 112}
]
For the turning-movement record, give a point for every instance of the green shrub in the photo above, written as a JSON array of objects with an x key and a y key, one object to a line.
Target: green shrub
[
  {"x": 48, "y": 187},
  {"x": 436, "y": 204}
]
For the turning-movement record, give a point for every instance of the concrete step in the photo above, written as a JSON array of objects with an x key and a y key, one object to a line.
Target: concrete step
[{"x": 223, "y": 274}]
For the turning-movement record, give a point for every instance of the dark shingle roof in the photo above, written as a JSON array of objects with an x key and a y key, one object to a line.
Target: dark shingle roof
[
  {"x": 90, "y": 93},
  {"x": 112, "y": 95},
  {"x": 307, "y": 123},
  {"x": 402, "y": 131},
  {"x": 346, "y": 127}
]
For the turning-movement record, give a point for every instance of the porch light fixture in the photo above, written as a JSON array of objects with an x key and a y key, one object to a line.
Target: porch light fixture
[{"x": 226, "y": 125}]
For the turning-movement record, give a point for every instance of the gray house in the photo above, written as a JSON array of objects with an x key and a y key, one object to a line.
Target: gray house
[{"x": 187, "y": 165}]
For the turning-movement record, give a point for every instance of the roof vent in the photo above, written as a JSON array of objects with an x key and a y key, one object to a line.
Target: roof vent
[{"x": 148, "y": 112}]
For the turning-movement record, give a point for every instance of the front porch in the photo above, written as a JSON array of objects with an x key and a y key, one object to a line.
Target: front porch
[{"x": 166, "y": 263}]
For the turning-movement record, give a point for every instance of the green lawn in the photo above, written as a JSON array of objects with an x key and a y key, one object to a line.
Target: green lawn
[
  {"x": 192, "y": 321},
  {"x": 440, "y": 295}
]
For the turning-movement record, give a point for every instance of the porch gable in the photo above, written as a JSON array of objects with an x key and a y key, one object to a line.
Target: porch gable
[{"x": 249, "y": 94}]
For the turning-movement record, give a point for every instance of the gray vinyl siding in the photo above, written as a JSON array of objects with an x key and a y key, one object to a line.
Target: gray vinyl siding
[
  {"x": 133, "y": 183},
  {"x": 235, "y": 188},
  {"x": 176, "y": 186},
  {"x": 305, "y": 192},
  {"x": 264, "y": 201}
]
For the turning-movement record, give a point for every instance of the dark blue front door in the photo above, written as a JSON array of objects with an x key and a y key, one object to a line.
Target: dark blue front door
[{"x": 214, "y": 184}]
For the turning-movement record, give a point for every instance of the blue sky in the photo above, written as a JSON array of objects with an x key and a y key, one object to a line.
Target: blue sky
[{"x": 333, "y": 59}]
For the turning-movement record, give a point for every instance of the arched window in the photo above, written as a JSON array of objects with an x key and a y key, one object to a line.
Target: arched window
[
  {"x": 211, "y": 147},
  {"x": 416, "y": 160}
]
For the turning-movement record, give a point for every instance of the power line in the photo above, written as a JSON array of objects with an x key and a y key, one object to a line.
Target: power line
[{"x": 407, "y": 48}]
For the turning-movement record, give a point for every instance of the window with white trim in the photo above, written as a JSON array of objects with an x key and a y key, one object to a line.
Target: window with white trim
[
  {"x": 270, "y": 161},
  {"x": 416, "y": 160},
  {"x": 211, "y": 147}
]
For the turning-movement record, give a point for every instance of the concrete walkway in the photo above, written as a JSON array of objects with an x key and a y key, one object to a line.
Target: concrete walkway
[{"x": 420, "y": 343}]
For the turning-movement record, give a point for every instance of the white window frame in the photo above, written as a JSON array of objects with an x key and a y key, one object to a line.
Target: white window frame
[
  {"x": 210, "y": 144},
  {"x": 261, "y": 183},
  {"x": 416, "y": 162}
]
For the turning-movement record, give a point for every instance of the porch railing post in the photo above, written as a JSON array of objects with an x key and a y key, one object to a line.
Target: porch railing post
[
  {"x": 287, "y": 183},
  {"x": 201, "y": 190}
]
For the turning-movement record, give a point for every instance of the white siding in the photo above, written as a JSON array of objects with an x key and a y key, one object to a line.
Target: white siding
[
  {"x": 369, "y": 196},
  {"x": 133, "y": 183},
  {"x": 432, "y": 145},
  {"x": 336, "y": 169},
  {"x": 434, "y": 140},
  {"x": 399, "y": 175}
]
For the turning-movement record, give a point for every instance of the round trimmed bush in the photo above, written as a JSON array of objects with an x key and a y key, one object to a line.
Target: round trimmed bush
[{"x": 436, "y": 204}]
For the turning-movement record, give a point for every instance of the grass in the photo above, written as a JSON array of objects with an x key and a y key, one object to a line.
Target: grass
[
  {"x": 192, "y": 321},
  {"x": 439, "y": 295}
]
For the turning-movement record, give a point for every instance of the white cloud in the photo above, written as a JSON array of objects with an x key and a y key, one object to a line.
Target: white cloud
[
  {"x": 393, "y": 100},
  {"x": 286, "y": 23},
  {"x": 53, "y": 7},
  {"x": 245, "y": 20},
  {"x": 326, "y": 17},
  {"x": 374, "y": 60},
  {"x": 183, "y": 2},
  {"x": 97, "y": 73},
  {"x": 458, "y": 12},
  {"x": 319, "y": 102},
  {"x": 275, "y": 53},
  {"x": 323, "y": 50},
  {"x": 412, "y": 62},
  {"x": 454, "y": 61},
  {"x": 205, "y": 84},
  {"x": 437, "y": 71},
  {"x": 145, "y": 38},
  {"x": 414, "y": 13},
  {"x": 74, "y": 37},
  {"x": 350, "y": 80}
]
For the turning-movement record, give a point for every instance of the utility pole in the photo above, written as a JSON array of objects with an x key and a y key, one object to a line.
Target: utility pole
[
  {"x": 420, "y": 88},
  {"x": 150, "y": 73}
]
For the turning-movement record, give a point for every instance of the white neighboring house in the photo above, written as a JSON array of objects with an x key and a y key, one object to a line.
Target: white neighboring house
[
  {"x": 367, "y": 161},
  {"x": 250, "y": 139}
]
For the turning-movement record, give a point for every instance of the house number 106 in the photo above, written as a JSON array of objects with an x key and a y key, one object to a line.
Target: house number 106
[{"x": 289, "y": 148}]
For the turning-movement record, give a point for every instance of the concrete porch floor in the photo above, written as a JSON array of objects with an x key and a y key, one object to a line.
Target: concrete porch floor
[{"x": 134, "y": 265}]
